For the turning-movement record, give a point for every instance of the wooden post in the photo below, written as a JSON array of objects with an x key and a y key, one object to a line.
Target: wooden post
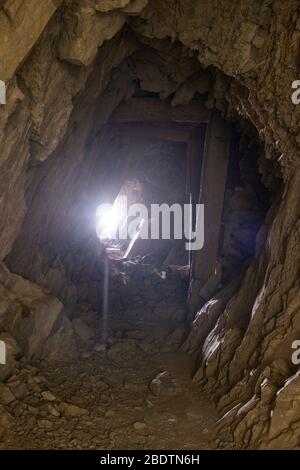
[
  {"x": 212, "y": 188},
  {"x": 198, "y": 141},
  {"x": 194, "y": 163}
]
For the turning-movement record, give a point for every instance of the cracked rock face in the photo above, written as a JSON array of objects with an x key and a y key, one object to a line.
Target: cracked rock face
[{"x": 67, "y": 66}]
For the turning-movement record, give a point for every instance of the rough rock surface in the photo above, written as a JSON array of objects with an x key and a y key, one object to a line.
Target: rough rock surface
[
  {"x": 27, "y": 312},
  {"x": 59, "y": 73}
]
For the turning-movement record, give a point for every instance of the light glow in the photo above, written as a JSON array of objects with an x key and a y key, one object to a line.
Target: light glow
[{"x": 109, "y": 219}]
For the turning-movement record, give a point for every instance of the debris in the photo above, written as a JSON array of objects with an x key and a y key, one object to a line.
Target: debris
[{"x": 164, "y": 385}]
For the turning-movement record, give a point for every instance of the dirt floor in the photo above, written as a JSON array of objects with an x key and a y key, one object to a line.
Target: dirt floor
[{"x": 135, "y": 392}]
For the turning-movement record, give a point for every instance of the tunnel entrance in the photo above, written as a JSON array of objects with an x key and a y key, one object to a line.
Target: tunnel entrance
[
  {"x": 131, "y": 335},
  {"x": 152, "y": 120}
]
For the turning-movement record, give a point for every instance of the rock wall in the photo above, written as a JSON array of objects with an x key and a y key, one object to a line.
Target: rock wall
[{"x": 27, "y": 316}]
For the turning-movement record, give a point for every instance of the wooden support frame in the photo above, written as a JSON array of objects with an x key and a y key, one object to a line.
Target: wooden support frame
[
  {"x": 156, "y": 110},
  {"x": 212, "y": 188},
  {"x": 197, "y": 150},
  {"x": 153, "y": 118},
  {"x": 162, "y": 133}
]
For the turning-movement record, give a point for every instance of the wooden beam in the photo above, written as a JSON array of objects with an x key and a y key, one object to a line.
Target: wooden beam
[
  {"x": 164, "y": 133},
  {"x": 197, "y": 142},
  {"x": 212, "y": 188},
  {"x": 153, "y": 109}
]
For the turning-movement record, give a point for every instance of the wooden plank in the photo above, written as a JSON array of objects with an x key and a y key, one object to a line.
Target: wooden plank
[
  {"x": 195, "y": 149},
  {"x": 212, "y": 188},
  {"x": 153, "y": 109},
  {"x": 165, "y": 133},
  {"x": 197, "y": 142}
]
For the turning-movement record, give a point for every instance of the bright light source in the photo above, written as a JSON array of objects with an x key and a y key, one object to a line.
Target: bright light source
[
  {"x": 109, "y": 218},
  {"x": 112, "y": 218}
]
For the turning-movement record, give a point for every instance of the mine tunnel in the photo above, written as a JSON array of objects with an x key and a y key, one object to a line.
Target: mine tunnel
[{"x": 149, "y": 340}]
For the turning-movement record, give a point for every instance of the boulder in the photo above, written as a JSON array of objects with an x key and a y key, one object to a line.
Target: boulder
[
  {"x": 287, "y": 407},
  {"x": 82, "y": 329},
  {"x": 61, "y": 345},
  {"x": 27, "y": 312}
]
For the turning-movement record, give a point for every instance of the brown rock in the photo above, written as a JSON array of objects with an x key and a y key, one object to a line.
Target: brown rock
[
  {"x": 82, "y": 330},
  {"x": 48, "y": 396},
  {"x": 6, "y": 396},
  {"x": 45, "y": 424},
  {"x": 71, "y": 410},
  {"x": 107, "y": 5},
  {"x": 139, "y": 426},
  {"x": 35, "y": 312},
  {"x": 27, "y": 22},
  {"x": 86, "y": 31}
]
